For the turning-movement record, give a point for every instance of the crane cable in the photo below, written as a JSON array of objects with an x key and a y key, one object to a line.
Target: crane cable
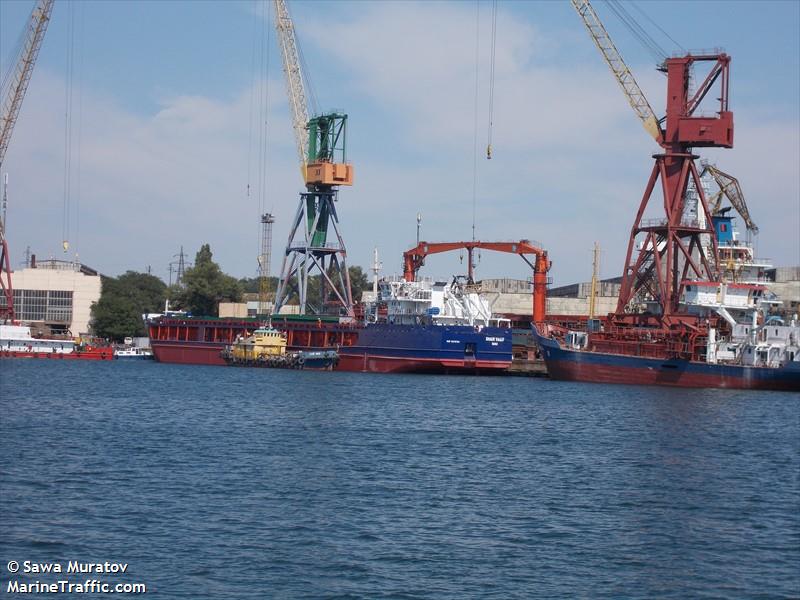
[
  {"x": 657, "y": 26},
  {"x": 81, "y": 25},
  {"x": 68, "y": 100},
  {"x": 491, "y": 81},
  {"x": 263, "y": 114},
  {"x": 639, "y": 32},
  {"x": 475, "y": 116},
  {"x": 256, "y": 19},
  {"x": 259, "y": 103}
]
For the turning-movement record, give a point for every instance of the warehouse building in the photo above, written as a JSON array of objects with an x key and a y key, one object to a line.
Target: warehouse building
[{"x": 55, "y": 296}]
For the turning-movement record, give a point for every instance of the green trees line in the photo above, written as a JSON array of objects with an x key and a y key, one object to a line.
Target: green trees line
[{"x": 124, "y": 299}]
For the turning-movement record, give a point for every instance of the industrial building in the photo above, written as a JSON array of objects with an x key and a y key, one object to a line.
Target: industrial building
[{"x": 55, "y": 296}]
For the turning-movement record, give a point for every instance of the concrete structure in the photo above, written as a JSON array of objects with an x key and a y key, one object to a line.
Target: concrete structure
[
  {"x": 249, "y": 308},
  {"x": 784, "y": 282},
  {"x": 513, "y": 296},
  {"x": 56, "y": 296}
]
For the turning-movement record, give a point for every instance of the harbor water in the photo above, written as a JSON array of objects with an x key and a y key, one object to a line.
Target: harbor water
[{"x": 215, "y": 482}]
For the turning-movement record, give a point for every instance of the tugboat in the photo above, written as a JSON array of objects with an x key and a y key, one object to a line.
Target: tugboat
[{"x": 266, "y": 347}]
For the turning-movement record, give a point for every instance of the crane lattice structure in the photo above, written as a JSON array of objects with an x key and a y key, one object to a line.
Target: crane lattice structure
[
  {"x": 311, "y": 249},
  {"x": 264, "y": 262},
  {"x": 728, "y": 188},
  {"x": 13, "y": 96},
  {"x": 619, "y": 68},
  {"x": 321, "y": 146},
  {"x": 669, "y": 250},
  {"x": 294, "y": 79}
]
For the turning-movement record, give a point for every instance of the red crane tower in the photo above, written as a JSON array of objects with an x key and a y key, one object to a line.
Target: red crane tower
[{"x": 669, "y": 249}]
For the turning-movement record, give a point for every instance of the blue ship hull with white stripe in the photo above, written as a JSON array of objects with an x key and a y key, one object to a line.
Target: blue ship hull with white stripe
[{"x": 387, "y": 348}]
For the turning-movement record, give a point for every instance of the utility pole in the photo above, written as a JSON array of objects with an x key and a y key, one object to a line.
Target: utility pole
[
  {"x": 181, "y": 268},
  {"x": 593, "y": 293},
  {"x": 264, "y": 262}
]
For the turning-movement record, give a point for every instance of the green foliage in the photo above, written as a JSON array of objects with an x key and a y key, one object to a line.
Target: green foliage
[
  {"x": 250, "y": 285},
  {"x": 205, "y": 286},
  {"x": 123, "y": 301},
  {"x": 358, "y": 282}
]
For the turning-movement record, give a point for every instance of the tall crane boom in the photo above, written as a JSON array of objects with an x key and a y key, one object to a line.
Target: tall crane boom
[
  {"x": 294, "y": 80},
  {"x": 730, "y": 188},
  {"x": 620, "y": 70},
  {"x": 37, "y": 25}
]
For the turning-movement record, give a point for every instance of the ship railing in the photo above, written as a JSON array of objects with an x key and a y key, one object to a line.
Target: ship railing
[{"x": 649, "y": 223}]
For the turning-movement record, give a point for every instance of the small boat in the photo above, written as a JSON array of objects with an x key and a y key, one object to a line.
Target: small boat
[
  {"x": 266, "y": 347},
  {"x": 133, "y": 353}
]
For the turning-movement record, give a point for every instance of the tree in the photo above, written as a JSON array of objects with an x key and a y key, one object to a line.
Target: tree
[
  {"x": 205, "y": 286},
  {"x": 252, "y": 285},
  {"x": 123, "y": 301},
  {"x": 358, "y": 282}
]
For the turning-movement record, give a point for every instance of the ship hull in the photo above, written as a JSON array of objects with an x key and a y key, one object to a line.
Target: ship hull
[
  {"x": 377, "y": 348},
  {"x": 598, "y": 367},
  {"x": 200, "y": 341},
  {"x": 91, "y": 354},
  {"x": 188, "y": 353}
]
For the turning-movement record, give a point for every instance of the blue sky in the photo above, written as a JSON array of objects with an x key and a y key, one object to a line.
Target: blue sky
[{"x": 163, "y": 135}]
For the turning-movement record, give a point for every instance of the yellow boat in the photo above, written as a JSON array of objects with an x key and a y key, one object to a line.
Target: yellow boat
[
  {"x": 264, "y": 342},
  {"x": 266, "y": 347}
]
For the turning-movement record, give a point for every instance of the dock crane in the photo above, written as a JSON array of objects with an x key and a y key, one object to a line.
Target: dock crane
[
  {"x": 34, "y": 34},
  {"x": 729, "y": 188},
  {"x": 294, "y": 80},
  {"x": 620, "y": 69},
  {"x": 321, "y": 145},
  {"x": 414, "y": 258},
  {"x": 669, "y": 250}
]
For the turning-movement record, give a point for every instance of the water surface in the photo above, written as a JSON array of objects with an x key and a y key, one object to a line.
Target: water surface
[{"x": 216, "y": 482}]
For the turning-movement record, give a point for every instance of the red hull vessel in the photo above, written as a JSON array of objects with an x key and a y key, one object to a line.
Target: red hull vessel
[
  {"x": 602, "y": 367},
  {"x": 88, "y": 353},
  {"x": 200, "y": 341}
]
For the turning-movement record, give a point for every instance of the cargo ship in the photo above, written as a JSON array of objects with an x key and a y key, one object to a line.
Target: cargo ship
[
  {"x": 429, "y": 327},
  {"x": 684, "y": 316},
  {"x": 16, "y": 341},
  {"x": 726, "y": 338}
]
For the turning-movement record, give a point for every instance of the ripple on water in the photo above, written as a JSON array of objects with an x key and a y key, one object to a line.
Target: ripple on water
[{"x": 237, "y": 483}]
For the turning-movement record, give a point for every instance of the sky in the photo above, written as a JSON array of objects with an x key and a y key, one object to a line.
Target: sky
[{"x": 163, "y": 138}]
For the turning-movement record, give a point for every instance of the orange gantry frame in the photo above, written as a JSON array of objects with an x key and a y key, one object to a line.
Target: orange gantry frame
[{"x": 414, "y": 259}]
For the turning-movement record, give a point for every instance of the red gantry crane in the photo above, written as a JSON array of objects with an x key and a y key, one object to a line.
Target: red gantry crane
[
  {"x": 668, "y": 249},
  {"x": 414, "y": 259},
  {"x": 34, "y": 34}
]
